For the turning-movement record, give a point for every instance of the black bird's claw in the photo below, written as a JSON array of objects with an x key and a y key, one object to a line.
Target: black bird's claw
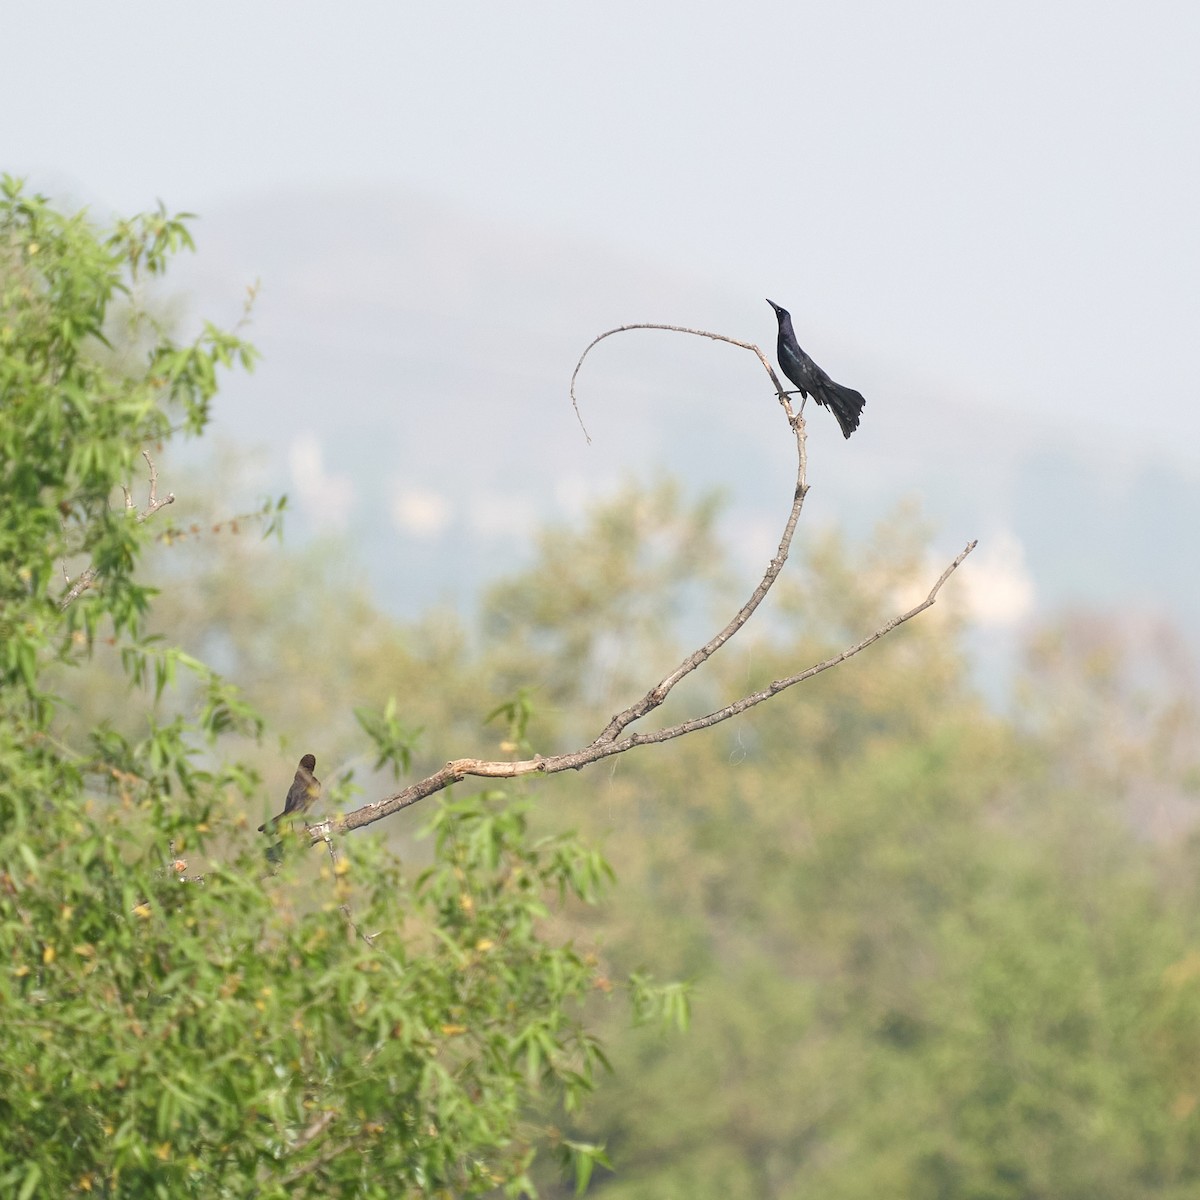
[{"x": 796, "y": 392}]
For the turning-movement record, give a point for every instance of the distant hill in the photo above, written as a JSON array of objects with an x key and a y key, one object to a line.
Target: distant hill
[{"x": 414, "y": 399}]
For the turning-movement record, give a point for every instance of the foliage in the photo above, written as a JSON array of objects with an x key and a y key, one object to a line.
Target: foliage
[
  {"x": 931, "y": 952},
  {"x": 180, "y": 1019},
  {"x": 232, "y": 1035},
  {"x": 936, "y": 950}
]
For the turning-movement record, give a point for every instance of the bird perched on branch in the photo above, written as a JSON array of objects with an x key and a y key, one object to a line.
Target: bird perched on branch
[
  {"x": 845, "y": 403},
  {"x": 302, "y": 795}
]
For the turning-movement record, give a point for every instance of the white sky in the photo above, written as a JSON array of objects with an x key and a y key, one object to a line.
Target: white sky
[{"x": 1001, "y": 197}]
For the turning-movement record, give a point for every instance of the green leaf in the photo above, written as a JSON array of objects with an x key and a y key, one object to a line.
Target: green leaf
[{"x": 33, "y": 1177}]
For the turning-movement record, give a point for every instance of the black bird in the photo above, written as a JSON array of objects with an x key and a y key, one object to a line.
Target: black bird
[
  {"x": 303, "y": 793},
  {"x": 845, "y": 403}
]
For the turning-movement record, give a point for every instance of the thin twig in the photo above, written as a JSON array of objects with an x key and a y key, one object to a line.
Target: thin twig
[
  {"x": 88, "y": 576},
  {"x": 154, "y": 503},
  {"x": 81, "y": 585},
  {"x": 316, "y": 1162},
  {"x": 716, "y": 337},
  {"x": 327, "y": 837},
  {"x": 315, "y": 1129}
]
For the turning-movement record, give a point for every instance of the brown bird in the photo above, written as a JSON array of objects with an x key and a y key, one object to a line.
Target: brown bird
[{"x": 302, "y": 795}]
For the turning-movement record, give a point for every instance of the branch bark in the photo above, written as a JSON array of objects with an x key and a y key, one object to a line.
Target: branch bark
[
  {"x": 87, "y": 577},
  {"x": 613, "y": 738},
  {"x": 716, "y": 337}
]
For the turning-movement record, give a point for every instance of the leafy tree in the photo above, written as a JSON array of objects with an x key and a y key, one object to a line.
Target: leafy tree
[{"x": 179, "y": 1019}]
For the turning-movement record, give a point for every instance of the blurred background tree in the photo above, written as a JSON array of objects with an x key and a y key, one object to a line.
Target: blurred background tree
[{"x": 936, "y": 948}]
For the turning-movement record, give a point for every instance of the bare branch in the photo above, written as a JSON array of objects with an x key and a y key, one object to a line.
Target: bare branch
[
  {"x": 327, "y": 837},
  {"x": 318, "y": 1127},
  {"x": 153, "y": 504},
  {"x": 716, "y": 337},
  {"x": 88, "y": 576},
  {"x": 459, "y": 769},
  {"x": 327, "y": 1155},
  {"x": 657, "y": 694},
  {"x": 81, "y": 585},
  {"x": 609, "y": 742}
]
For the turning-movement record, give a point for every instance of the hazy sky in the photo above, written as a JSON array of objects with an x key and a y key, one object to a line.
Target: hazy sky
[{"x": 1000, "y": 198}]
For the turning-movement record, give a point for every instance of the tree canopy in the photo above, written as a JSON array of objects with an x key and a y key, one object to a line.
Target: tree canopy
[{"x": 183, "y": 1016}]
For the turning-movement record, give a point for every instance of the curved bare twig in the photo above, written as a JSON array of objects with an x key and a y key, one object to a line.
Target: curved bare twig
[{"x": 716, "y": 337}]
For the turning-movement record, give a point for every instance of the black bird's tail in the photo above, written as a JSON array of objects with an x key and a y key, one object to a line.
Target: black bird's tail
[{"x": 845, "y": 403}]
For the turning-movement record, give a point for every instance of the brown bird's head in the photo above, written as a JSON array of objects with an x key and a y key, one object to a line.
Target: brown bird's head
[{"x": 309, "y": 762}]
